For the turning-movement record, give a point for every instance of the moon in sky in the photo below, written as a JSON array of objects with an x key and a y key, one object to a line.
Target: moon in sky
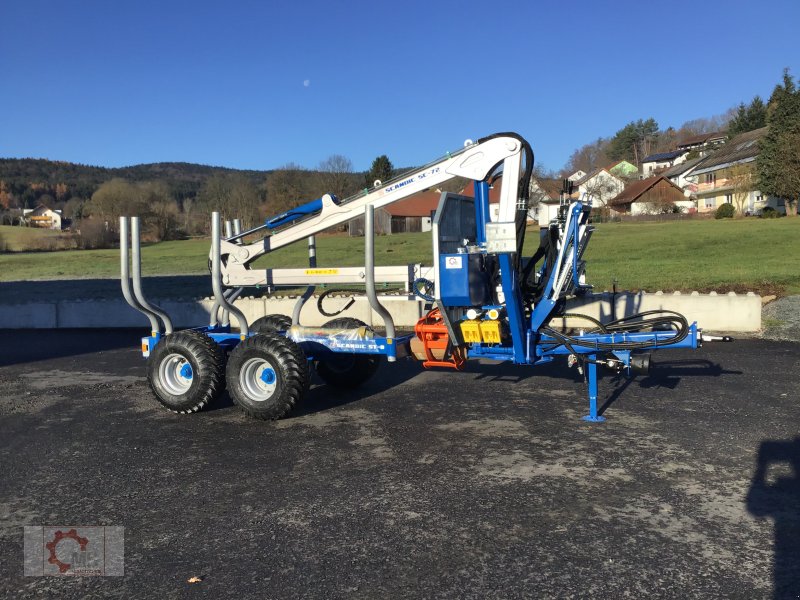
[{"x": 306, "y": 82}]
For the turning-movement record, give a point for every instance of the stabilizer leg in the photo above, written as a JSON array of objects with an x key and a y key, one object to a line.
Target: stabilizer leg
[{"x": 591, "y": 373}]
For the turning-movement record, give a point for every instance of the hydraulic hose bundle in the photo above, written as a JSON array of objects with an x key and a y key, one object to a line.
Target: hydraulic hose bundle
[{"x": 667, "y": 319}]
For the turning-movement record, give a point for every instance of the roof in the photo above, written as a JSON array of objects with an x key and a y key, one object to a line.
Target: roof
[
  {"x": 550, "y": 187},
  {"x": 494, "y": 190},
  {"x": 637, "y": 188},
  {"x": 594, "y": 173},
  {"x": 741, "y": 149},
  {"x": 421, "y": 204},
  {"x": 664, "y": 156},
  {"x": 701, "y": 139},
  {"x": 682, "y": 168}
]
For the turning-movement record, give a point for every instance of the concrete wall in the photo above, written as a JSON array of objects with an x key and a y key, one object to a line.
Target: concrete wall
[{"x": 713, "y": 312}]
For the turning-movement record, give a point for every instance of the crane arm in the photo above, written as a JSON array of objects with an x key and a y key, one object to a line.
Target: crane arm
[{"x": 475, "y": 161}]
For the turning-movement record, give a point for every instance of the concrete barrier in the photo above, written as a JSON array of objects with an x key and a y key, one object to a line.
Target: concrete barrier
[{"x": 713, "y": 312}]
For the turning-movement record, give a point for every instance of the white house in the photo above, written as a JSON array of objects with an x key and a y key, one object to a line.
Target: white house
[
  {"x": 601, "y": 186},
  {"x": 43, "y": 217},
  {"x": 545, "y": 200},
  {"x": 681, "y": 174},
  {"x": 655, "y": 163},
  {"x": 577, "y": 175}
]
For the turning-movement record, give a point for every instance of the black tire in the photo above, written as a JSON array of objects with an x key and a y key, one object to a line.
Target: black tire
[
  {"x": 186, "y": 353},
  {"x": 271, "y": 323},
  {"x": 267, "y": 375},
  {"x": 347, "y": 371}
]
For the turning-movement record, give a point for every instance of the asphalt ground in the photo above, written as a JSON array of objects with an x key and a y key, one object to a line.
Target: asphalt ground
[{"x": 479, "y": 484}]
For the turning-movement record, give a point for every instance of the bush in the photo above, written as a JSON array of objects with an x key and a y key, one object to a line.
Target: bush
[
  {"x": 725, "y": 211},
  {"x": 769, "y": 213},
  {"x": 95, "y": 233}
]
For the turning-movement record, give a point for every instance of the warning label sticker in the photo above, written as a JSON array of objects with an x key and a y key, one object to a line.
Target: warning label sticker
[{"x": 322, "y": 271}]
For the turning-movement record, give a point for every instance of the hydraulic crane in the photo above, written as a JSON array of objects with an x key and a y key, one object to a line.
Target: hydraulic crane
[{"x": 484, "y": 299}]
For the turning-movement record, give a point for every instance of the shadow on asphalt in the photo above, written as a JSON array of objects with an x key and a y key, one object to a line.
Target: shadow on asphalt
[
  {"x": 775, "y": 494},
  {"x": 18, "y": 346},
  {"x": 162, "y": 286},
  {"x": 322, "y": 397},
  {"x": 666, "y": 374}
]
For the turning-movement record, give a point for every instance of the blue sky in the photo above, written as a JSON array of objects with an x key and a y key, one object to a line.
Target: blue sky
[{"x": 261, "y": 84}]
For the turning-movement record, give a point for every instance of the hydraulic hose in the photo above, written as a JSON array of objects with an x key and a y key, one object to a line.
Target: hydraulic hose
[{"x": 676, "y": 321}]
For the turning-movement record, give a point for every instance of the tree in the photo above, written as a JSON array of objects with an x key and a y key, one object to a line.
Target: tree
[
  {"x": 337, "y": 175},
  {"x": 603, "y": 187},
  {"x": 381, "y": 170},
  {"x": 741, "y": 180},
  {"x": 589, "y": 157},
  {"x": 161, "y": 209},
  {"x": 73, "y": 209},
  {"x": 5, "y": 195},
  {"x": 235, "y": 196},
  {"x": 634, "y": 141},
  {"x": 748, "y": 117},
  {"x": 779, "y": 150},
  {"x": 116, "y": 198},
  {"x": 287, "y": 187}
]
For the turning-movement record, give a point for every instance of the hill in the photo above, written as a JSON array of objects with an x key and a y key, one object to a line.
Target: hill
[{"x": 30, "y": 178}]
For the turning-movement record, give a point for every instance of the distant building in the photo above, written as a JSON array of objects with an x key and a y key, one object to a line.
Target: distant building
[
  {"x": 678, "y": 174},
  {"x": 653, "y": 195},
  {"x": 43, "y": 217},
  {"x": 704, "y": 143},
  {"x": 657, "y": 163},
  {"x": 624, "y": 169},
  {"x": 600, "y": 186},
  {"x": 546, "y": 200},
  {"x": 577, "y": 175},
  {"x": 714, "y": 180}
]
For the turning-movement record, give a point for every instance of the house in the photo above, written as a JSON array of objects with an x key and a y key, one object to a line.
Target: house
[
  {"x": 600, "y": 186},
  {"x": 414, "y": 213},
  {"x": 43, "y": 217},
  {"x": 704, "y": 143},
  {"x": 656, "y": 163},
  {"x": 624, "y": 169},
  {"x": 726, "y": 176},
  {"x": 654, "y": 195},
  {"x": 545, "y": 199},
  {"x": 577, "y": 175},
  {"x": 680, "y": 174}
]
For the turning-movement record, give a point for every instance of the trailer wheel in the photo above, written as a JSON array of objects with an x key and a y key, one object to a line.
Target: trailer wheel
[
  {"x": 347, "y": 371},
  {"x": 267, "y": 375},
  {"x": 186, "y": 371},
  {"x": 271, "y": 323}
]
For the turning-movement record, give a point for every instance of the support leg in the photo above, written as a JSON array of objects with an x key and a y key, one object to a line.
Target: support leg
[{"x": 591, "y": 373}]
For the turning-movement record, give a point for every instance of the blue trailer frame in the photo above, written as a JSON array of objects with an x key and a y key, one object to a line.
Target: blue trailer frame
[{"x": 529, "y": 340}]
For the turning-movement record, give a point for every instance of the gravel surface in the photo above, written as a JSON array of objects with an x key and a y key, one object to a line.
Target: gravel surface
[
  {"x": 781, "y": 319},
  {"x": 478, "y": 484}
]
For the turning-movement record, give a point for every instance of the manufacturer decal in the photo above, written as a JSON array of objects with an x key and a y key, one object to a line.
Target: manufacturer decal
[{"x": 453, "y": 262}]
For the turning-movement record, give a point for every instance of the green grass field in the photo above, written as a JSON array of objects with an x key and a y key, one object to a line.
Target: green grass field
[{"x": 704, "y": 255}]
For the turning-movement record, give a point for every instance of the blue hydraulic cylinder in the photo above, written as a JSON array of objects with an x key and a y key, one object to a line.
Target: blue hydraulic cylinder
[
  {"x": 298, "y": 212},
  {"x": 514, "y": 307},
  {"x": 481, "y": 210}
]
